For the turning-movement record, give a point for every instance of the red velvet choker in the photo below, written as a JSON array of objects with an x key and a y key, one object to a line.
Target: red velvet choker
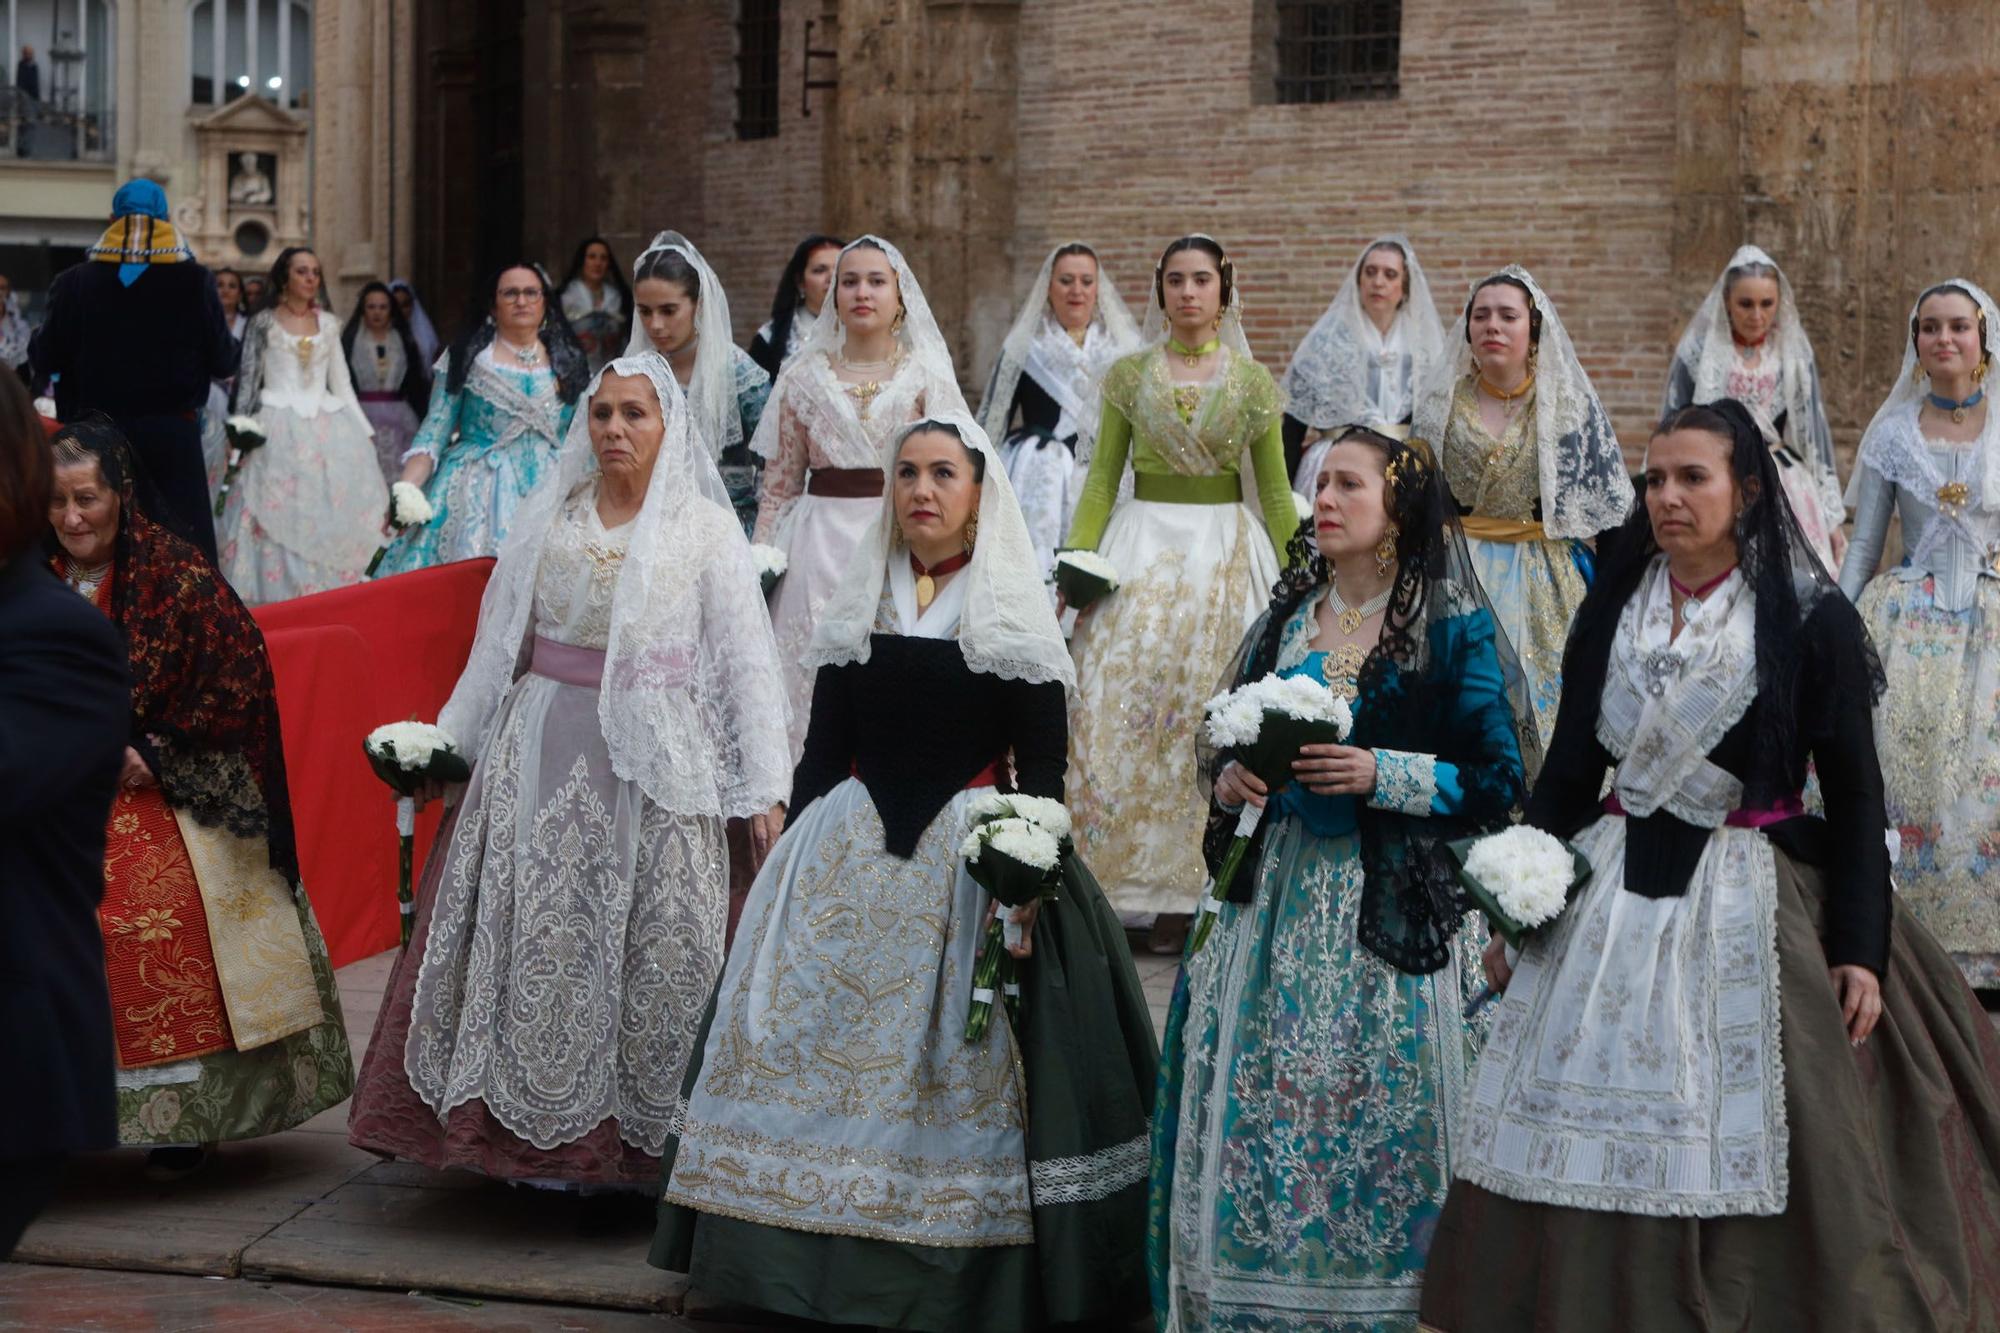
[{"x": 927, "y": 578}]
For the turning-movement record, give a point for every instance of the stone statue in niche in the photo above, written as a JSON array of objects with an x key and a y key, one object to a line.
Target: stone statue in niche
[{"x": 251, "y": 185}]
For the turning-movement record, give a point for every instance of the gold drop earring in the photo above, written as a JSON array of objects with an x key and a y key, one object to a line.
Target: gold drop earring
[
  {"x": 972, "y": 530},
  {"x": 1385, "y": 550}
]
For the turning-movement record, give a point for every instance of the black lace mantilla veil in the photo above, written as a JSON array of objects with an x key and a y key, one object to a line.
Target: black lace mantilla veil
[
  {"x": 1791, "y": 588},
  {"x": 1438, "y": 624}
]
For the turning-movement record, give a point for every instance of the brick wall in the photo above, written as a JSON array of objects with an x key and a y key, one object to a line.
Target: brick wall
[{"x": 1138, "y": 122}]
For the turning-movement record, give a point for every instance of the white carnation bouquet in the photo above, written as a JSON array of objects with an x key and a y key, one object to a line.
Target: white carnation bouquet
[
  {"x": 1082, "y": 577},
  {"x": 246, "y": 436},
  {"x": 1013, "y": 847},
  {"x": 409, "y": 507},
  {"x": 770, "y": 564},
  {"x": 1521, "y": 877},
  {"x": 406, "y": 755},
  {"x": 1262, "y": 725}
]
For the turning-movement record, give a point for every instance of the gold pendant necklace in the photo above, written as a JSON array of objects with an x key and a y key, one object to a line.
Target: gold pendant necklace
[
  {"x": 1349, "y": 618},
  {"x": 1193, "y": 355}
]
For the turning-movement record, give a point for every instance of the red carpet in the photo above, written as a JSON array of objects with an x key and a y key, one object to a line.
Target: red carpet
[{"x": 346, "y": 662}]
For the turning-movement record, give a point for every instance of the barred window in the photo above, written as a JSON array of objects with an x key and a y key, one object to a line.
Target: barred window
[
  {"x": 1337, "y": 50},
  {"x": 757, "y": 69}
]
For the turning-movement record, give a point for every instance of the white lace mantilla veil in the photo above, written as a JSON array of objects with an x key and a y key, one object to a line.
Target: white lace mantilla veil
[
  {"x": 1893, "y": 446},
  {"x": 1327, "y": 383},
  {"x": 1008, "y": 627},
  {"x": 693, "y": 704},
  {"x": 922, "y": 342},
  {"x": 1585, "y": 488},
  {"x": 1036, "y": 323},
  {"x": 711, "y": 389},
  {"x": 1707, "y": 352},
  {"x": 1153, "y": 330}
]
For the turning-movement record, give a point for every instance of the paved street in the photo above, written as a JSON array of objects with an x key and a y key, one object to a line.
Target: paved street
[{"x": 278, "y": 1233}]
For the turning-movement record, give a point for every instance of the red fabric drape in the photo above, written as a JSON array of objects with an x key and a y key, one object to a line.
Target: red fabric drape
[{"x": 346, "y": 662}]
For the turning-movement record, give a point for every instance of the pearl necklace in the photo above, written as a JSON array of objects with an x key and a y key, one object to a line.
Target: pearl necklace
[{"x": 1341, "y": 667}]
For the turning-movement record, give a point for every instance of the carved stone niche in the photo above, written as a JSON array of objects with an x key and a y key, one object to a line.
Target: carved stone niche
[{"x": 255, "y": 192}]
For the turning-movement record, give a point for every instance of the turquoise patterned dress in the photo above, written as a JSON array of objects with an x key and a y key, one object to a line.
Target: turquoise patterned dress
[
  {"x": 1309, "y": 1091},
  {"x": 492, "y": 442}
]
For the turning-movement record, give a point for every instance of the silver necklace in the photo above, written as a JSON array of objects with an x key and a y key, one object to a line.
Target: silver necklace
[{"x": 531, "y": 355}]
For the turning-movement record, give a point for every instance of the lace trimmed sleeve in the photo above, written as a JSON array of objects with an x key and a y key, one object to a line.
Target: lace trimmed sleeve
[
  {"x": 440, "y": 419},
  {"x": 784, "y": 475}
]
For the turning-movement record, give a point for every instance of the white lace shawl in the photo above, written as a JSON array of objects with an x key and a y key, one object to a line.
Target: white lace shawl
[
  {"x": 578, "y": 300},
  {"x": 1038, "y": 346},
  {"x": 1585, "y": 489},
  {"x": 1894, "y": 447},
  {"x": 1327, "y": 384},
  {"x": 1707, "y": 353},
  {"x": 693, "y": 702},
  {"x": 711, "y": 389},
  {"x": 1007, "y": 628},
  {"x": 926, "y": 358},
  {"x": 1669, "y": 701}
]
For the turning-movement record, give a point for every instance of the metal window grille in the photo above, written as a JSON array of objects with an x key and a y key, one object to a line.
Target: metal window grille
[
  {"x": 757, "y": 69},
  {"x": 1338, "y": 50}
]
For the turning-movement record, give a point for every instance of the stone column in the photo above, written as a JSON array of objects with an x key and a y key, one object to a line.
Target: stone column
[{"x": 922, "y": 153}]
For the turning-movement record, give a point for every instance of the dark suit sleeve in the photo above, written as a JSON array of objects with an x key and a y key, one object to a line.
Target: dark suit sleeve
[
  {"x": 65, "y": 706},
  {"x": 52, "y": 350}
]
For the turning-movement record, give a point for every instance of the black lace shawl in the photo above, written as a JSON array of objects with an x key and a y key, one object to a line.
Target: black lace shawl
[{"x": 1437, "y": 631}]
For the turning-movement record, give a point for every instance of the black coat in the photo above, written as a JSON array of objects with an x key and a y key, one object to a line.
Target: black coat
[
  {"x": 140, "y": 351},
  {"x": 65, "y": 705}
]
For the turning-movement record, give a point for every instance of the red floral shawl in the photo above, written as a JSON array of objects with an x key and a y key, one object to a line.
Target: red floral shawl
[{"x": 204, "y": 704}]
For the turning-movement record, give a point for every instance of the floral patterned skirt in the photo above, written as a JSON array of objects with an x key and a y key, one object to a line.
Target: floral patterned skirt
[
  {"x": 1192, "y": 579},
  {"x": 1535, "y": 588},
  {"x": 1302, "y": 1142},
  {"x": 1047, "y": 481},
  {"x": 182, "y": 1078},
  {"x": 305, "y": 514},
  {"x": 1937, "y": 732},
  {"x": 474, "y": 494}
]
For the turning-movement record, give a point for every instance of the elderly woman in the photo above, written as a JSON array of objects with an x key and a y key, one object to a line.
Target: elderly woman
[
  {"x": 1734, "y": 1085},
  {"x": 226, "y": 1018},
  {"x": 902, "y": 1175},
  {"x": 622, "y": 700}
]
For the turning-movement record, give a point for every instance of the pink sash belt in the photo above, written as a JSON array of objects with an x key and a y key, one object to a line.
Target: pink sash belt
[
  {"x": 1788, "y": 807},
  {"x": 567, "y": 663}
]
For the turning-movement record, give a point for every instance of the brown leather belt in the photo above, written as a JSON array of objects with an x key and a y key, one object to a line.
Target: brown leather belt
[{"x": 845, "y": 483}]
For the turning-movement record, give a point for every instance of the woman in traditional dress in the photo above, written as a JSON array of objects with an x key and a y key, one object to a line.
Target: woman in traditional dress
[
  {"x": 876, "y": 366},
  {"x": 305, "y": 515},
  {"x": 389, "y": 375},
  {"x": 1070, "y": 329},
  {"x": 1362, "y": 363},
  {"x": 1932, "y": 455},
  {"x": 1195, "y": 566},
  {"x": 903, "y": 1176},
  {"x": 1318, "y": 1049},
  {"x": 802, "y": 290},
  {"x": 501, "y": 401},
  {"x": 214, "y": 416},
  {"x": 622, "y": 699},
  {"x": 1746, "y": 342},
  {"x": 1733, "y": 1085},
  {"x": 1532, "y": 464},
  {"x": 680, "y": 311},
  {"x": 419, "y": 320},
  {"x": 227, "y": 1020},
  {"x": 596, "y": 301}
]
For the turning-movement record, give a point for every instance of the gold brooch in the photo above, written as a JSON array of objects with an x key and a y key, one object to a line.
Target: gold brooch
[{"x": 1952, "y": 496}]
